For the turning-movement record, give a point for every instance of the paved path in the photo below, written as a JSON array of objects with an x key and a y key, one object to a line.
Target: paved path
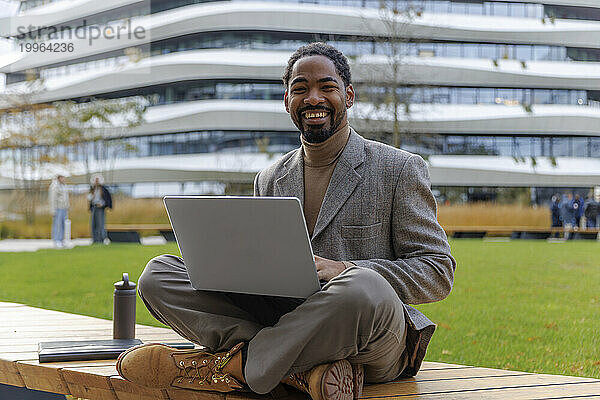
[{"x": 16, "y": 245}]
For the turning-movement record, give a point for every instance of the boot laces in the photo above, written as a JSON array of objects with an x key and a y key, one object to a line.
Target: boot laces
[
  {"x": 210, "y": 371},
  {"x": 300, "y": 380}
]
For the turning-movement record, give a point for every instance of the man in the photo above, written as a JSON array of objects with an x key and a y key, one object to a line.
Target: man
[
  {"x": 58, "y": 197},
  {"x": 567, "y": 213},
  {"x": 579, "y": 209},
  {"x": 592, "y": 211},
  {"x": 372, "y": 220},
  {"x": 100, "y": 199}
]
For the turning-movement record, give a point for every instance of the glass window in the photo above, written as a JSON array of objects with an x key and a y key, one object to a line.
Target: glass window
[
  {"x": 504, "y": 145},
  {"x": 486, "y": 96},
  {"x": 594, "y": 149},
  {"x": 459, "y": 8},
  {"x": 523, "y": 52},
  {"x": 543, "y": 96},
  {"x": 518, "y": 10},
  {"x": 488, "y": 51},
  {"x": 482, "y": 145},
  {"x": 536, "y": 146},
  {"x": 542, "y": 53},
  {"x": 441, "y": 95},
  {"x": 560, "y": 147},
  {"x": 522, "y": 146},
  {"x": 438, "y": 6},
  {"x": 474, "y": 9},
  {"x": 535, "y": 10},
  {"x": 526, "y": 96},
  {"x": 452, "y": 50},
  {"x": 560, "y": 97},
  {"x": 455, "y": 145},
  {"x": 504, "y": 96},
  {"x": 506, "y": 52},
  {"x": 500, "y": 9},
  {"x": 580, "y": 146},
  {"x": 470, "y": 50},
  {"x": 467, "y": 96}
]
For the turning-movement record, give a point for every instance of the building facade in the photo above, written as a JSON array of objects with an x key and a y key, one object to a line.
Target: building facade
[{"x": 491, "y": 93}]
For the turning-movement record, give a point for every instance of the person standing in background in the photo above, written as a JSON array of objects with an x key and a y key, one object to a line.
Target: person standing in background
[
  {"x": 58, "y": 197},
  {"x": 592, "y": 212},
  {"x": 555, "y": 212},
  {"x": 578, "y": 207},
  {"x": 567, "y": 213},
  {"x": 100, "y": 199}
]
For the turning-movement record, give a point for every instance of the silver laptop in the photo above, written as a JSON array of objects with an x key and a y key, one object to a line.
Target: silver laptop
[{"x": 255, "y": 245}]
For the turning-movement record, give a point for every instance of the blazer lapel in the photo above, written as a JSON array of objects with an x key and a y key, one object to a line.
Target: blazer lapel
[
  {"x": 343, "y": 181},
  {"x": 291, "y": 184}
]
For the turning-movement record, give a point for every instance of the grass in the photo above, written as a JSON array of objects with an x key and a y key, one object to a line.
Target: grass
[{"x": 522, "y": 305}]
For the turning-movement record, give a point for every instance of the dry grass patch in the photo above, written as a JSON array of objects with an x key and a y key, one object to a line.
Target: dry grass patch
[{"x": 491, "y": 214}]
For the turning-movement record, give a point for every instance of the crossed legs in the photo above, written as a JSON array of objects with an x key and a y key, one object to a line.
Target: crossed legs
[{"x": 356, "y": 316}]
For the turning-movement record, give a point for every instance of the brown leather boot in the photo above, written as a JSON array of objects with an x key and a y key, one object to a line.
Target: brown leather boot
[
  {"x": 336, "y": 381},
  {"x": 159, "y": 366}
]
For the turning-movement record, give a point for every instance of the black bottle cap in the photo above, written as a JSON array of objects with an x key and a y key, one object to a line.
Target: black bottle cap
[{"x": 125, "y": 284}]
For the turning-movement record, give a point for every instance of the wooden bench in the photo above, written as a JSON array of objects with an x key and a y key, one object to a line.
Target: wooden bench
[
  {"x": 517, "y": 232},
  {"x": 25, "y": 326},
  {"x": 130, "y": 233}
]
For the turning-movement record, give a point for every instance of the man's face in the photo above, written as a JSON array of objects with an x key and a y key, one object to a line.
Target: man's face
[{"x": 316, "y": 98}]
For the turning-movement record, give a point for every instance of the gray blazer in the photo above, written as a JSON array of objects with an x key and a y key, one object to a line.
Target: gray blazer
[{"x": 378, "y": 213}]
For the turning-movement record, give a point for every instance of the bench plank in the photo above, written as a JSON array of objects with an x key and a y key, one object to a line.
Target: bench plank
[
  {"x": 98, "y": 380},
  {"x": 128, "y": 391},
  {"x": 562, "y": 391},
  {"x": 90, "y": 382},
  {"x": 45, "y": 379},
  {"x": 419, "y": 385}
]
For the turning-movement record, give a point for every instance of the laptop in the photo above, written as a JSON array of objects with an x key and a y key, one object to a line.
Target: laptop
[{"x": 253, "y": 245}]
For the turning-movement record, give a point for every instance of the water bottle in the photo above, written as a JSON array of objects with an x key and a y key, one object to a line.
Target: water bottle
[{"x": 124, "y": 309}]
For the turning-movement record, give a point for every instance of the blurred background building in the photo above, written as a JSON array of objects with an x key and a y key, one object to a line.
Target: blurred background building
[{"x": 494, "y": 94}]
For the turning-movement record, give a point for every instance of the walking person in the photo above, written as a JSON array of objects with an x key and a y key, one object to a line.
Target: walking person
[
  {"x": 100, "y": 199},
  {"x": 58, "y": 197}
]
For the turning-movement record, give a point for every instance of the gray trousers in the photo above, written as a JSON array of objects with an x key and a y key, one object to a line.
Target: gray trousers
[
  {"x": 97, "y": 224},
  {"x": 357, "y": 315}
]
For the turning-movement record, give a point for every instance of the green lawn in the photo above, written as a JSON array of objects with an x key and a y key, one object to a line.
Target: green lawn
[{"x": 523, "y": 305}]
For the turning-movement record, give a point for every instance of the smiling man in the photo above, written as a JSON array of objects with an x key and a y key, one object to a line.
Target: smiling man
[{"x": 372, "y": 221}]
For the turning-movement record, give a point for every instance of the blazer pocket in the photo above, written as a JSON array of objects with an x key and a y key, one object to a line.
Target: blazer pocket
[{"x": 361, "y": 231}]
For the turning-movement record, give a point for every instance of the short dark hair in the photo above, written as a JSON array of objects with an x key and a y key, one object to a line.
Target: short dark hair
[{"x": 320, "y": 49}]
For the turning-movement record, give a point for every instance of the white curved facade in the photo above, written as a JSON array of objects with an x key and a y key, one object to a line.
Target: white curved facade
[
  {"x": 496, "y": 102},
  {"x": 240, "y": 64},
  {"x": 322, "y": 19},
  {"x": 438, "y": 118}
]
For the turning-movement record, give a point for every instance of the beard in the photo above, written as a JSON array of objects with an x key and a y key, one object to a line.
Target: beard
[{"x": 317, "y": 133}]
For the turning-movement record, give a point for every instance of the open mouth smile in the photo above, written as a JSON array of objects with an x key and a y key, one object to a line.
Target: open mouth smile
[
  {"x": 315, "y": 117},
  {"x": 315, "y": 114}
]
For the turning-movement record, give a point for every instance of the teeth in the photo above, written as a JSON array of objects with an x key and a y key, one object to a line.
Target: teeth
[{"x": 321, "y": 114}]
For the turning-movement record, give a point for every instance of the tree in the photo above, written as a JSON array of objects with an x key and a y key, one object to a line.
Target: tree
[
  {"x": 94, "y": 131},
  {"x": 38, "y": 140},
  {"x": 24, "y": 143},
  {"x": 389, "y": 87}
]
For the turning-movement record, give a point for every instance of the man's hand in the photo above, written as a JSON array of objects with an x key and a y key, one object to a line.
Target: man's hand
[{"x": 328, "y": 269}]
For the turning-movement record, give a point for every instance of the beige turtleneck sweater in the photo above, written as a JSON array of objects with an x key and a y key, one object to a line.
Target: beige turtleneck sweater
[{"x": 320, "y": 160}]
